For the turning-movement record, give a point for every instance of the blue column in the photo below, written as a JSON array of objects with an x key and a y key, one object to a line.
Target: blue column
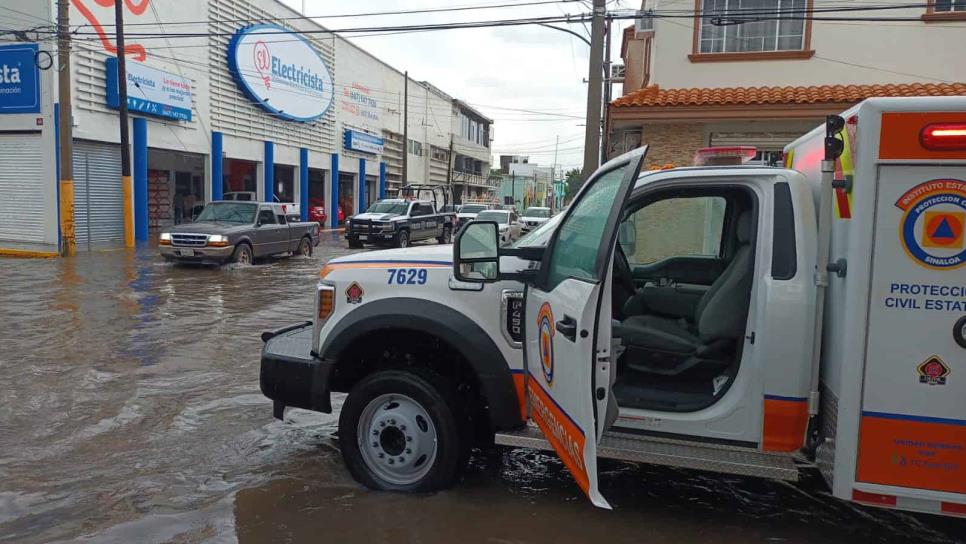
[
  {"x": 140, "y": 179},
  {"x": 304, "y": 183},
  {"x": 362, "y": 185},
  {"x": 269, "y": 171},
  {"x": 217, "y": 166},
  {"x": 334, "y": 204},
  {"x": 382, "y": 180}
]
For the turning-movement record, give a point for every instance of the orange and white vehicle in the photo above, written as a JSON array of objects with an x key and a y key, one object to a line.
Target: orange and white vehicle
[{"x": 735, "y": 319}]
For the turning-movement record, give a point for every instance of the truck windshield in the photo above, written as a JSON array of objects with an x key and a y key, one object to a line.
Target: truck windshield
[
  {"x": 472, "y": 208},
  {"x": 536, "y": 212},
  {"x": 493, "y": 215},
  {"x": 540, "y": 236},
  {"x": 229, "y": 212},
  {"x": 388, "y": 207}
]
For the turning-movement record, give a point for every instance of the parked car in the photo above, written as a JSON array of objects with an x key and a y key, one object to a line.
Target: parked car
[
  {"x": 468, "y": 212},
  {"x": 533, "y": 217},
  {"x": 506, "y": 220},
  {"x": 240, "y": 232}
]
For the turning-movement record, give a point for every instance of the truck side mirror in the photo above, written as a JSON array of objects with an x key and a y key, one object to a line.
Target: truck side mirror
[{"x": 476, "y": 252}]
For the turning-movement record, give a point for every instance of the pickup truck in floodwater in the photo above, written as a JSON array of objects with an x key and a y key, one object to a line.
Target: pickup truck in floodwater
[{"x": 235, "y": 231}]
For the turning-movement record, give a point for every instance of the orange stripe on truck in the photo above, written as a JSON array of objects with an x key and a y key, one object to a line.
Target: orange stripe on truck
[
  {"x": 564, "y": 435},
  {"x": 912, "y": 451},
  {"x": 785, "y": 424},
  {"x": 328, "y": 268},
  {"x": 900, "y": 135}
]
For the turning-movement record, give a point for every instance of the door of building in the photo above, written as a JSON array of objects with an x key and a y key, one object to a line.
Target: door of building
[
  {"x": 21, "y": 184},
  {"x": 98, "y": 195}
]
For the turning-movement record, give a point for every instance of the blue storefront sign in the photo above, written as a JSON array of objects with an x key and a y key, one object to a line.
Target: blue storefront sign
[
  {"x": 150, "y": 91},
  {"x": 19, "y": 79},
  {"x": 360, "y": 141}
]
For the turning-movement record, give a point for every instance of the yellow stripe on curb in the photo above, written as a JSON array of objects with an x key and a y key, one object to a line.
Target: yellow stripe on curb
[{"x": 27, "y": 254}]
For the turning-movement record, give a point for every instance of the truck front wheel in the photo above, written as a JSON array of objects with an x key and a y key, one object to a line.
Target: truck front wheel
[
  {"x": 402, "y": 239},
  {"x": 243, "y": 254},
  {"x": 399, "y": 431}
]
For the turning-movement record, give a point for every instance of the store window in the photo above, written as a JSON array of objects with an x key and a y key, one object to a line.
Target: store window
[
  {"x": 240, "y": 176},
  {"x": 346, "y": 195},
  {"x": 780, "y": 27},
  {"x": 284, "y": 183}
]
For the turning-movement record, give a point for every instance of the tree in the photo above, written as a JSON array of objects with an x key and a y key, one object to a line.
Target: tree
[{"x": 574, "y": 182}]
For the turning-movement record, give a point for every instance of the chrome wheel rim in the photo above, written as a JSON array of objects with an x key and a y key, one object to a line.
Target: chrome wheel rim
[
  {"x": 245, "y": 256},
  {"x": 404, "y": 240},
  {"x": 305, "y": 249},
  {"x": 397, "y": 439}
]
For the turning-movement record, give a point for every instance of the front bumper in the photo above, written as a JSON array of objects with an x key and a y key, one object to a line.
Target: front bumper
[
  {"x": 291, "y": 375},
  {"x": 367, "y": 236},
  {"x": 198, "y": 254}
]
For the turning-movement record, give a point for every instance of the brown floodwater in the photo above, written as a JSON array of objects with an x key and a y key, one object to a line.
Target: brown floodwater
[{"x": 130, "y": 412}]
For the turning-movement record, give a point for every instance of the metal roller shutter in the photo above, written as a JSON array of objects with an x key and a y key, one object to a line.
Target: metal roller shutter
[
  {"x": 98, "y": 195},
  {"x": 21, "y": 188}
]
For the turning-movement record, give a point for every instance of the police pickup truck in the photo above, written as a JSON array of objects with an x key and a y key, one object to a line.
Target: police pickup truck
[
  {"x": 744, "y": 320},
  {"x": 397, "y": 222}
]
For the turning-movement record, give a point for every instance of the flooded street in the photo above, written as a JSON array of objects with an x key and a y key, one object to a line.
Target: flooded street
[{"x": 131, "y": 412}]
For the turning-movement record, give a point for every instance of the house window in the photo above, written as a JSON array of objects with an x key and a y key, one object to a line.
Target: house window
[
  {"x": 415, "y": 148},
  {"x": 723, "y": 29},
  {"x": 949, "y": 5}
]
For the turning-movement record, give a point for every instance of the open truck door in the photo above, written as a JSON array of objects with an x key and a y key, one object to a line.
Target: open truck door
[{"x": 567, "y": 351}]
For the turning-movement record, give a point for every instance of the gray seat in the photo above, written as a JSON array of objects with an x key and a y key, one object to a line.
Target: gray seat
[{"x": 668, "y": 346}]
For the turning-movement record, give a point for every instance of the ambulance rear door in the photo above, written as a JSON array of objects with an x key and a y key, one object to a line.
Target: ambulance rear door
[{"x": 912, "y": 434}]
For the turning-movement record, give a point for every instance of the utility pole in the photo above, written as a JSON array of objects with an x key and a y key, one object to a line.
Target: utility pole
[
  {"x": 607, "y": 94},
  {"x": 449, "y": 169},
  {"x": 594, "y": 91},
  {"x": 68, "y": 244},
  {"x": 405, "y": 172},
  {"x": 127, "y": 187}
]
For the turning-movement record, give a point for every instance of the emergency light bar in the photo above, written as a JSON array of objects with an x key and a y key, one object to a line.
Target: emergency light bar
[
  {"x": 943, "y": 137},
  {"x": 722, "y": 156}
]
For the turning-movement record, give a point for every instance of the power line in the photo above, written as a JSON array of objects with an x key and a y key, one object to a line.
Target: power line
[{"x": 368, "y": 14}]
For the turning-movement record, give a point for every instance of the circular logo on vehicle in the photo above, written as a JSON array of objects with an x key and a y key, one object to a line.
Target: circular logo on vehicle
[
  {"x": 545, "y": 338},
  {"x": 933, "y": 223}
]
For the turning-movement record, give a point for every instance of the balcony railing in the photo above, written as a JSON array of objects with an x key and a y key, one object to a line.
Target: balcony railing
[{"x": 472, "y": 178}]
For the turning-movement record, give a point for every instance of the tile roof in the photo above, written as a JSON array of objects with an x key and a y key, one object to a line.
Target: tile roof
[{"x": 654, "y": 96}]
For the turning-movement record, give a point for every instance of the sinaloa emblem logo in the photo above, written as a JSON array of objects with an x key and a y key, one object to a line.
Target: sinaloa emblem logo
[
  {"x": 545, "y": 333},
  {"x": 933, "y": 223}
]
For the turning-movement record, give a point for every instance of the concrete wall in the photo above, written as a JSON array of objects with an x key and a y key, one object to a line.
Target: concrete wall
[{"x": 844, "y": 52}]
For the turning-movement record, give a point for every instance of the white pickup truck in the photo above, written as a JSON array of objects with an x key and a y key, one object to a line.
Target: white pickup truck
[{"x": 743, "y": 320}]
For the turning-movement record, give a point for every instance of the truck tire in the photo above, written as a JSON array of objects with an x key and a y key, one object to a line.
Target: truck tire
[
  {"x": 447, "y": 237},
  {"x": 354, "y": 243},
  {"x": 243, "y": 254},
  {"x": 401, "y": 431},
  {"x": 402, "y": 239},
  {"x": 305, "y": 247}
]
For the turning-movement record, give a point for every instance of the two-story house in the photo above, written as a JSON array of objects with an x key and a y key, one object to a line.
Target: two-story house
[{"x": 763, "y": 72}]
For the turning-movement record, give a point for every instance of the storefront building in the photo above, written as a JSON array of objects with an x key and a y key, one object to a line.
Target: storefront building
[{"x": 226, "y": 97}]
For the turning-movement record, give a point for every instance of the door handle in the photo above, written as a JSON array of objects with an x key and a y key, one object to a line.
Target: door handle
[{"x": 568, "y": 327}]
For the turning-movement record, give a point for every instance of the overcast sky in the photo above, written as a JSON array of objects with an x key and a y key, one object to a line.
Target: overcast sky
[{"x": 525, "y": 67}]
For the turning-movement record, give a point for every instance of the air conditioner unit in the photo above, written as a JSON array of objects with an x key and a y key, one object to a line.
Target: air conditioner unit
[
  {"x": 617, "y": 72},
  {"x": 644, "y": 23}
]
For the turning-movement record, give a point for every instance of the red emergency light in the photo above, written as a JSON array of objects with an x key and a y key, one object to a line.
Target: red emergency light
[
  {"x": 944, "y": 136},
  {"x": 724, "y": 155}
]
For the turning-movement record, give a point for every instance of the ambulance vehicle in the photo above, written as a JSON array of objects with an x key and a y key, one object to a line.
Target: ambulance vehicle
[{"x": 735, "y": 319}]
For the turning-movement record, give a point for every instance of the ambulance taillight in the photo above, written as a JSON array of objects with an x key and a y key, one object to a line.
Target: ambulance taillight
[{"x": 944, "y": 136}]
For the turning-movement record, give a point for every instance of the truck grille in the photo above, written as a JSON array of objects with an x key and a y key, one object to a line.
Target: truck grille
[
  {"x": 364, "y": 226},
  {"x": 189, "y": 240}
]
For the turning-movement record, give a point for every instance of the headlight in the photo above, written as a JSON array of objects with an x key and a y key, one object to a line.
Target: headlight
[
  {"x": 217, "y": 238},
  {"x": 165, "y": 236}
]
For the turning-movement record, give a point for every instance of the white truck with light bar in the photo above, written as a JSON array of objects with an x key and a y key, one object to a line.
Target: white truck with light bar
[{"x": 736, "y": 319}]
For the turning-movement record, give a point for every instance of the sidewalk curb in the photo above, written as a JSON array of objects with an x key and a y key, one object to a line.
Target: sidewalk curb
[{"x": 27, "y": 253}]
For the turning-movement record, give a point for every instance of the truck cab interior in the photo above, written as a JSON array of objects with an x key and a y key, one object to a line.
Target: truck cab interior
[{"x": 683, "y": 274}]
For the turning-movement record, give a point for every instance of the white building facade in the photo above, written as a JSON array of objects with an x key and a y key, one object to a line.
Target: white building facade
[{"x": 225, "y": 96}]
